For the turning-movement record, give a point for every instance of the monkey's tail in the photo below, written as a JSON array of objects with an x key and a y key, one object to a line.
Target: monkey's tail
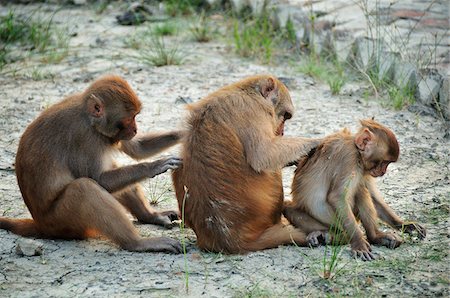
[{"x": 23, "y": 227}]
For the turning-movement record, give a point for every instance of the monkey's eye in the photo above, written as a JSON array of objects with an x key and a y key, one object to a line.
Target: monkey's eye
[{"x": 287, "y": 115}]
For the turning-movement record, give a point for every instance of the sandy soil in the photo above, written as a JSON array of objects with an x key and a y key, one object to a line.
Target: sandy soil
[{"x": 417, "y": 186}]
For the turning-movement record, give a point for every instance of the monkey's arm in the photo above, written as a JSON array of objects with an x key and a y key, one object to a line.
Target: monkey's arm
[
  {"x": 340, "y": 200},
  {"x": 268, "y": 152},
  {"x": 119, "y": 178},
  {"x": 150, "y": 144},
  {"x": 387, "y": 214}
]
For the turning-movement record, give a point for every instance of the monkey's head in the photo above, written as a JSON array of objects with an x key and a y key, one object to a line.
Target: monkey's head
[
  {"x": 278, "y": 95},
  {"x": 112, "y": 106},
  {"x": 378, "y": 147}
]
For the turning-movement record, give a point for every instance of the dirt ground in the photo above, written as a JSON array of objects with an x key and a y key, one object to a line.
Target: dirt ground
[{"x": 417, "y": 186}]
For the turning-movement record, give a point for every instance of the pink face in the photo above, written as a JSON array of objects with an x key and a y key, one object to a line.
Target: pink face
[{"x": 127, "y": 128}]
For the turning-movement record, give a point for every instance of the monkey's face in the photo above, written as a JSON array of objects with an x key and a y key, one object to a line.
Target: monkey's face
[
  {"x": 127, "y": 128},
  {"x": 378, "y": 168},
  {"x": 284, "y": 108}
]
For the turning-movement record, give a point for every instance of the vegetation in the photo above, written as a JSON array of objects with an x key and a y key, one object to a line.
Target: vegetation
[
  {"x": 165, "y": 29},
  {"x": 152, "y": 47},
  {"x": 202, "y": 31},
  {"x": 22, "y": 35}
]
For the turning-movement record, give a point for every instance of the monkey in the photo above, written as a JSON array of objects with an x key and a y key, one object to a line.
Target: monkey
[
  {"x": 69, "y": 180},
  {"x": 229, "y": 188},
  {"x": 334, "y": 186}
]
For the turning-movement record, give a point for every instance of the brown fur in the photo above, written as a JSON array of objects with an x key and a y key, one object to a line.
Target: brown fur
[
  {"x": 232, "y": 159},
  {"x": 335, "y": 186},
  {"x": 69, "y": 180}
]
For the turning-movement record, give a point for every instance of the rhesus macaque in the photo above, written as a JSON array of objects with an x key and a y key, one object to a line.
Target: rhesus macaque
[
  {"x": 70, "y": 181},
  {"x": 334, "y": 186},
  {"x": 232, "y": 155}
]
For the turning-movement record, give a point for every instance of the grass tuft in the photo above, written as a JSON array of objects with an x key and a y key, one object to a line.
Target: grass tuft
[
  {"x": 159, "y": 54},
  {"x": 22, "y": 35},
  {"x": 165, "y": 29},
  {"x": 202, "y": 31},
  {"x": 255, "y": 38}
]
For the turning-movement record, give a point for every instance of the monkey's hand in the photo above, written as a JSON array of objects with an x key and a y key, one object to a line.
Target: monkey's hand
[
  {"x": 410, "y": 227},
  {"x": 163, "y": 165},
  {"x": 362, "y": 250}
]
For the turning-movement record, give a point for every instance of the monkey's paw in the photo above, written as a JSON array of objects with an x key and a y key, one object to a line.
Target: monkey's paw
[
  {"x": 163, "y": 165},
  {"x": 361, "y": 249},
  {"x": 317, "y": 238},
  {"x": 166, "y": 218}
]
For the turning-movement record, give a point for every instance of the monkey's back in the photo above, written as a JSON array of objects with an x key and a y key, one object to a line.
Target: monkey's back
[
  {"x": 229, "y": 204},
  {"x": 332, "y": 161},
  {"x": 45, "y": 153}
]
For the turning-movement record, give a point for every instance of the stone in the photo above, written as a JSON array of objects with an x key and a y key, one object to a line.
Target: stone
[
  {"x": 284, "y": 12},
  {"x": 428, "y": 87},
  {"x": 258, "y": 6},
  {"x": 29, "y": 247},
  {"x": 365, "y": 53},
  {"x": 405, "y": 75},
  {"x": 79, "y": 2},
  {"x": 386, "y": 65},
  {"x": 238, "y": 5},
  {"x": 444, "y": 98},
  {"x": 328, "y": 50},
  {"x": 135, "y": 14}
]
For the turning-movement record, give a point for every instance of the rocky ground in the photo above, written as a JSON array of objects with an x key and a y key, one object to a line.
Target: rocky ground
[{"x": 417, "y": 186}]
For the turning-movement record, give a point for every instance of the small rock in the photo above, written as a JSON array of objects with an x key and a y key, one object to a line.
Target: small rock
[
  {"x": 405, "y": 75},
  {"x": 386, "y": 65},
  {"x": 444, "y": 97},
  {"x": 136, "y": 14},
  {"x": 238, "y": 5},
  {"x": 79, "y": 2},
  {"x": 258, "y": 6},
  {"x": 366, "y": 52},
  {"x": 284, "y": 12},
  {"x": 428, "y": 88},
  {"x": 29, "y": 247}
]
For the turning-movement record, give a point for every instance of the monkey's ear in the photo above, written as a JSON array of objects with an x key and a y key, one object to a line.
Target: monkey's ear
[
  {"x": 268, "y": 90},
  {"x": 96, "y": 107},
  {"x": 364, "y": 139}
]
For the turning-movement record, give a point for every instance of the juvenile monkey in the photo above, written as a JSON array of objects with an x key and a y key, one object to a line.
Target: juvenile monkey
[
  {"x": 335, "y": 185},
  {"x": 70, "y": 181},
  {"x": 233, "y": 154}
]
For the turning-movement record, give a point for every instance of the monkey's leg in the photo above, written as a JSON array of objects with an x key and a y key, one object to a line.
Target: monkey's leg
[
  {"x": 134, "y": 200},
  {"x": 317, "y": 231},
  {"x": 276, "y": 235},
  {"x": 303, "y": 220},
  {"x": 84, "y": 206},
  {"x": 368, "y": 216},
  {"x": 386, "y": 214}
]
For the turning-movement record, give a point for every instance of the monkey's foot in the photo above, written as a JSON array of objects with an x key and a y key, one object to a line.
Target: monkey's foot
[
  {"x": 387, "y": 239},
  {"x": 317, "y": 238},
  {"x": 158, "y": 244}
]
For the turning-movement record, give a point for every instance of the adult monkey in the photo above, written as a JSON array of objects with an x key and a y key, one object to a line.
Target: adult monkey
[
  {"x": 68, "y": 177},
  {"x": 233, "y": 154}
]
